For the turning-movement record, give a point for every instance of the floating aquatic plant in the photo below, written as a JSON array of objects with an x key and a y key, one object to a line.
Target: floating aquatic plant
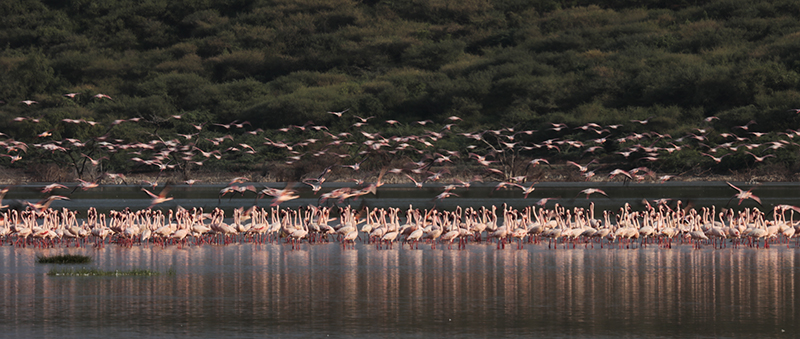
[{"x": 64, "y": 259}]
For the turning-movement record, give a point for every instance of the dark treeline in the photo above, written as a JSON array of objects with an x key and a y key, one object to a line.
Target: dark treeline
[{"x": 506, "y": 63}]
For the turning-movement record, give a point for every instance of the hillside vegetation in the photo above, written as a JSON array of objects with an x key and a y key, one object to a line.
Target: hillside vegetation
[{"x": 496, "y": 64}]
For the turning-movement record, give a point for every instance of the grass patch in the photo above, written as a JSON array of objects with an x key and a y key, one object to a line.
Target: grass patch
[
  {"x": 94, "y": 272},
  {"x": 64, "y": 259}
]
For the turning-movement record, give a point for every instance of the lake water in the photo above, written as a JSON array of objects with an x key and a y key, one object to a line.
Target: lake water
[
  {"x": 567, "y": 194},
  {"x": 322, "y": 290}
]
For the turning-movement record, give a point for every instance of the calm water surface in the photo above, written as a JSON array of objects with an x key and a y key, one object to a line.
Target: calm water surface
[
  {"x": 319, "y": 290},
  {"x": 699, "y": 194}
]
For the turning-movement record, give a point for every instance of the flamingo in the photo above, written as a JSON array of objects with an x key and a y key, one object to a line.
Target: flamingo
[
  {"x": 450, "y": 236},
  {"x": 45, "y": 204},
  {"x": 95, "y": 162},
  {"x": 746, "y": 126},
  {"x": 527, "y": 190},
  {"x": 45, "y": 134},
  {"x": 298, "y": 234},
  {"x": 590, "y": 191},
  {"x": 14, "y": 158},
  {"x": 444, "y": 195},
  {"x": 717, "y": 160},
  {"x": 742, "y": 194},
  {"x": 158, "y": 199},
  {"x": 363, "y": 120},
  {"x": 558, "y": 127},
  {"x": 51, "y": 187},
  {"x": 415, "y": 235},
  {"x": 280, "y": 195},
  {"x": 338, "y": 114},
  {"x": 760, "y": 159},
  {"x": 85, "y": 185},
  {"x": 582, "y": 168},
  {"x": 238, "y": 180},
  {"x": 642, "y": 122},
  {"x": 315, "y": 187},
  {"x": 620, "y": 172}
]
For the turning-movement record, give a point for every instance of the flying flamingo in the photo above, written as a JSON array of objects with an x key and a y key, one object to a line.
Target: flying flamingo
[
  {"x": 45, "y": 204},
  {"x": 51, "y": 187},
  {"x": 582, "y": 168},
  {"x": 643, "y": 122},
  {"x": 85, "y": 185},
  {"x": 94, "y": 162},
  {"x": 527, "y": 190},
  {"x": 355, "y": 166},
  {"x": 590, "y": 191},
  {"x": 717, "y": 160},
  {"x": 760, "y": 159},
  {"x": 316, "y": 186},
  {"x": 3, "y": 192},
  {"x": 45, "y": 134},
  {"x": 363, "y": 120},
  {"x": 536, "y": 162},
  {"x": 742, "y": 194},
  {"x": 280, "y": 196},
  {"x": 618, "y": 171},
  {"x": 239, "y": 180},
  {"x": 157, "y": 199},
  {"x": 746, "y": 126},
  {"x": 444, "y": 195},
  {"x": 557, "y": 127},
  {"x": 14, "y": 158},
  {"x": 416, "y": 183},
  {"x": 543, "y": 201},
  {"x": 226, "y": 190}
]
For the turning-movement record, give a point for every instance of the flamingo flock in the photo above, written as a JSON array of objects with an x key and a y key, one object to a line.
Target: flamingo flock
[
  {"x": 658, "y": 225},
  {"x": 361, "y": 145},
  {"x": 365, "y": 147}
]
